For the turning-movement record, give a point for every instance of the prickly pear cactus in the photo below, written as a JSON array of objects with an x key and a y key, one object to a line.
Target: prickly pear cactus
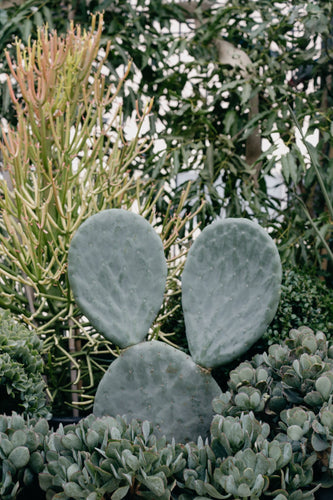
[
  {"x": 117, "y": 272},
  {"x": 230, "y": 290},
  {"x": 156, "y": 382}
]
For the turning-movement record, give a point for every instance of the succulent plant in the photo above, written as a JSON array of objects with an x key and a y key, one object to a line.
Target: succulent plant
[
  {"x": 274, "y": 451},
  {"x": 296, "y": 422},
  {"x": 117, "y": 272},
  {"x": 154, "y": 381},
  {"x": 296, "y": 401},
  {"x": 21, "y": 454},
  {"x": 245, "y": 474},
  {"x": 298, "y": 372},
  {"x": 22, "y": 388},
  {"x": 322, "y": 439},
  {"x": 232, "y": 434},
  {"x": 230, "y": 290},
  {"x": 100, "y": 457}
]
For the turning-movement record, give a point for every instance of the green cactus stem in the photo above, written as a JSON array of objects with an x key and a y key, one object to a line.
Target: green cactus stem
[
  {"x": 117, "y": 271},
  {"x": 230, "y": 290},
  {"x": 156, "y": 382}
]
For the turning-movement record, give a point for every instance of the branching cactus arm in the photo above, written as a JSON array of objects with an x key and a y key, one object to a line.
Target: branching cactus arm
[
  {"x": 230, "y": 290},
  {"x": 117, "y": 272}
]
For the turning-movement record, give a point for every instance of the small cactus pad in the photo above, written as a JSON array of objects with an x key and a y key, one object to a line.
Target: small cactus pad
[
  {"x": 156, "y": 382},
  {"x": 117, "y": 271},
  {"x": 230, "y": 290}
]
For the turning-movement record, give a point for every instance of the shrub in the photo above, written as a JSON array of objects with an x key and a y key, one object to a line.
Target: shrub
[
  {"x": 305, "y": 300},
  {"x": 22, "y": 387}
]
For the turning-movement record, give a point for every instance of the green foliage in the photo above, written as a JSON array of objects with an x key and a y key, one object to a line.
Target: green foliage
[
  {"x": 211, "y": 113},
  {"x": 305, "y": 300},
  {"x": 22, "y": 388},
  {"x": 210, "y": 109}
]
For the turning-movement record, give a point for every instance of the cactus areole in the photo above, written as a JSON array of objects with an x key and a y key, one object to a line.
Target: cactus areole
[{"x": 230, "y": 293}]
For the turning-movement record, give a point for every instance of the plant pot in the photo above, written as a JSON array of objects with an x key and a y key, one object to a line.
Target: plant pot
[
  {"x": 324, "y": 494},
  {"x": 54, "y": 422}
]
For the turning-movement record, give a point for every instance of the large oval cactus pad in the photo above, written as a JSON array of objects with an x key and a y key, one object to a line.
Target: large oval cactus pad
[
  {"x": 156, "y": 382},
  {"x": 117, "y": 271},
  {"x": 230, "y": 290}
]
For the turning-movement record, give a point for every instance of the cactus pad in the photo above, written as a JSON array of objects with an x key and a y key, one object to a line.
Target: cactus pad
[
  {"x": 156, "y": 382},
  {"x": 230, "y": 290},
  {"x": 117, "y": 271}
]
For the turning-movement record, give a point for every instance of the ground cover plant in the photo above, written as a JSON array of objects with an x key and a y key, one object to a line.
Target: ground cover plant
[{"x": 270, "y": 437}]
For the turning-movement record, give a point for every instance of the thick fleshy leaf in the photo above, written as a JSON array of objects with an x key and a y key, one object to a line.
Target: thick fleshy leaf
[
  {"x": 117, "y": 271},
  {"x": 231, "y": 290},
  {"x": 156, "y": 382}
]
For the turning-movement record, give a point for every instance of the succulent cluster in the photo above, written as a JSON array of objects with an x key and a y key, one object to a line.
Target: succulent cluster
[
  {"x": 100, "y": 457},
  {"x": 290, "y": 388},
  {"x": 22, "y": 388},
  {"x": 281, "y": 449},
  {"x": 296, "y": 373},
  {"x": 21, "y": 454}
]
